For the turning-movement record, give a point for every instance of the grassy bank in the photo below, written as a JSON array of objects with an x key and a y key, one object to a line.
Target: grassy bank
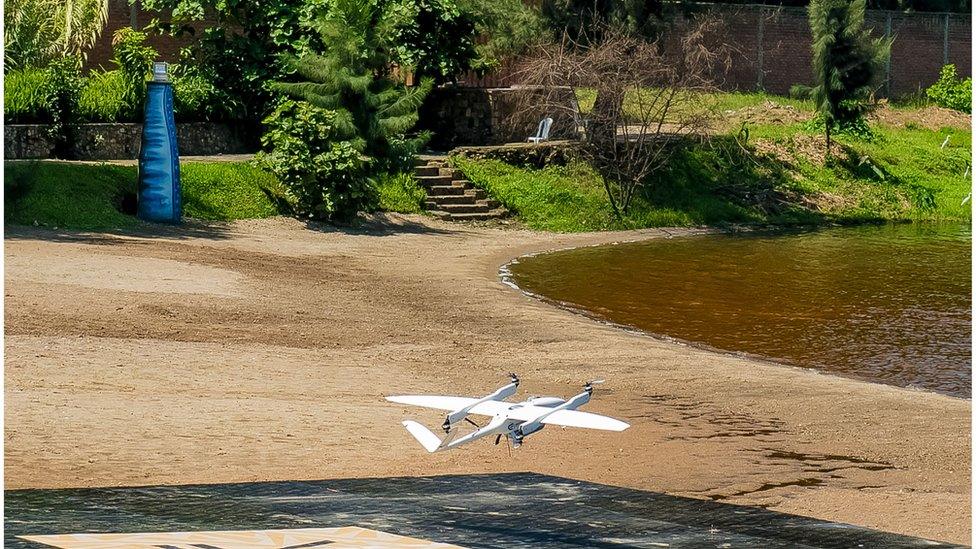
[
  {"x": 93, "y": 196},
  {"x": 102, "y": 196},
  {"x": 778, "y": 174}
]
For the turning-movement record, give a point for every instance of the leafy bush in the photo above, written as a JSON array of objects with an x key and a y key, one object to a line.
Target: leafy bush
[
  {"x": 103, "y": 98},
  {"x": 194, "y": 94},
  {"x": 44, "y": 96},
  {"x": 324, "y": 174},
  {"x": 350, "y": 119},
  {"x": 951, "y": 91},
  {"x": 118, "y": 95},
  {"x": 25, "y": 96},
  {"x": 135, "y": 61}
]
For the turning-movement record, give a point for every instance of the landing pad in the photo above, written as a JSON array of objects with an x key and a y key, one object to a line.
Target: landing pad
[{"x": 473, "y": 511}]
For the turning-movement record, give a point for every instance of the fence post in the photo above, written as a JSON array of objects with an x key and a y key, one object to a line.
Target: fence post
[
  {"x": 945, "y": 40},
  {"x": 887, "y": 85},
  {"x": 759, "y": 53}
]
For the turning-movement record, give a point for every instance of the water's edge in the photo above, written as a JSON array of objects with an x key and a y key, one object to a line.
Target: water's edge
[{"x": 507, "y": 278}]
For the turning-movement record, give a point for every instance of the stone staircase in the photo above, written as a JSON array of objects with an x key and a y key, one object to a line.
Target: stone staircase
[{"x": 451, "y": 197}]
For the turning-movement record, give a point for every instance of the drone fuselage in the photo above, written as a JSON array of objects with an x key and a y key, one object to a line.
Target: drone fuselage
[{"x": 514, "y": 420}]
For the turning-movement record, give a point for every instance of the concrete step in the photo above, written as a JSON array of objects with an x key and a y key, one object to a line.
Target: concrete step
[
  {"x": 441, "y": 190},
  {"x": 426, "y": 170},
  {"x": 469, "y": 197},
  {"x": 478, "y": 207},
  {"x": 428, "y": 181},
  {"x": 431, "y": 180},
  {"x": 498, "y": 213}
]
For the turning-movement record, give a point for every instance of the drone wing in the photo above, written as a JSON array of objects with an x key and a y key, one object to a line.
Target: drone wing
[
  {"x": 569, "y": 418},
  {"x": 451, "y": 403},
  {"x": 523, "y": 412}
]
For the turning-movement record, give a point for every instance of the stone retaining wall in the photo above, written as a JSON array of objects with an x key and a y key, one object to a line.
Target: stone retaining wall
[
  {"x": 120, "y": 141},
  {"x": 491, "y": 116},
  {"x": 524, "y": 154}
]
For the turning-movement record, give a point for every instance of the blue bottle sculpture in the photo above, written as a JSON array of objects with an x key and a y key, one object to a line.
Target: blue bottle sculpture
[{"x": 160, "y": 197}]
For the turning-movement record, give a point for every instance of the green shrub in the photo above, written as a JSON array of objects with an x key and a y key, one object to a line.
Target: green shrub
[
  {"x": 325, "y": 175},
  {"x": 194, "y": 94},
  {"x": 135, "y": 60},
  {"x": 950, "y": 91},
  {"x": 46, "y": 96},
  {"x": 25, "y": 96},
  {"x": 399, "y": 192},
  {"x": 103, "y": 98}
]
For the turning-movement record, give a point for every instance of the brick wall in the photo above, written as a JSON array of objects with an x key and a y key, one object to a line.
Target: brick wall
[
  {"x": 120, "y": 15},
  {"x": 772, "y": 46}
]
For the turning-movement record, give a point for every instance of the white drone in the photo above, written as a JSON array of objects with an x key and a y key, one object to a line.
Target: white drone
[{"x": 515, "y": 420}]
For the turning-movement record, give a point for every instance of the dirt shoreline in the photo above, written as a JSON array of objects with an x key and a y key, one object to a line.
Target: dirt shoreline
[{"x": 261, "y": 350}]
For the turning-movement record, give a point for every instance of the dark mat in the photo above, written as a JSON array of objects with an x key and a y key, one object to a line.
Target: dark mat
[{"x": 500, "y": 510}]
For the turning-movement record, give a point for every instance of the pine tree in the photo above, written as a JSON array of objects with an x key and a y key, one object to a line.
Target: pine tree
[
  {"x": 846, "y": 62},
  {"x": 353, "y": 78}
]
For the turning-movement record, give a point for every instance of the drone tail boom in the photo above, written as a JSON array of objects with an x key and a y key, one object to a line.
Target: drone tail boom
[{"x": 424, "y": 436}]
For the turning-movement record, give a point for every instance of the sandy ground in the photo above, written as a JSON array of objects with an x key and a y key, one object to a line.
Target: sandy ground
[{"x": 262, "y": 350}]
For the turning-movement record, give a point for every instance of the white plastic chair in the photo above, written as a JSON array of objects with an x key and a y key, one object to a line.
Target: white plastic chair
[{"x": 542, "y": 134}]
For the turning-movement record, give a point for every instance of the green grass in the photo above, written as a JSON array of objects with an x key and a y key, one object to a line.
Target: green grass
[
  {"x": 399, "y": 193},
  {"x": 89, "y": 196},
  {"x": 67, "y": 195},
  {"x": 717, "y": 103},
  {"x": 902, "y": 174},
  {"x": 225, "y": 191}
]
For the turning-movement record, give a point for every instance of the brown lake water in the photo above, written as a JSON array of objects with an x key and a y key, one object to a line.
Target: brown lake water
[{"x": 890, "y": 304}]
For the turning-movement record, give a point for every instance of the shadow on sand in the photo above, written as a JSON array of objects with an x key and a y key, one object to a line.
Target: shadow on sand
[
  {"x": 496, "y": 510},
  {"x": 194, "y": 229}
]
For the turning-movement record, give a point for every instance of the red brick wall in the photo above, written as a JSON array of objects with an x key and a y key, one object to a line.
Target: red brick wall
[
  {"x": 120, "y": 15},
  {"x": 916, "y": 57},
  {"x": 785, "y": 52}
]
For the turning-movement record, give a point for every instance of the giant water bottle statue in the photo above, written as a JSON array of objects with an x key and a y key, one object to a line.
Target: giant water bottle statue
[{"x": 160, "y": 197}]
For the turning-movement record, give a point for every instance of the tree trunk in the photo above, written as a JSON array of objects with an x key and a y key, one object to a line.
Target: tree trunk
[{"x": 827, "y": 125}]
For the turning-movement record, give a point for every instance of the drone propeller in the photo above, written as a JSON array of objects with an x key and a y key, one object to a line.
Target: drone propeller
[{"x": 589, "y": 385}]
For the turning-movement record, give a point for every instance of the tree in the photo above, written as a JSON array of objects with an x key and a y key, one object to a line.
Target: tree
[
  {"x": 362, "y": 112},
  {"x": 846, "y": 62},
  {"x": 433, "y": 38},
  {"x": 504, "y": 28},
  {"x": 587, "y": 20},
  {"x": 654, "y": 92},
  {"x": 245, "y": 49},
  {"x": 37, "y": 32}
]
